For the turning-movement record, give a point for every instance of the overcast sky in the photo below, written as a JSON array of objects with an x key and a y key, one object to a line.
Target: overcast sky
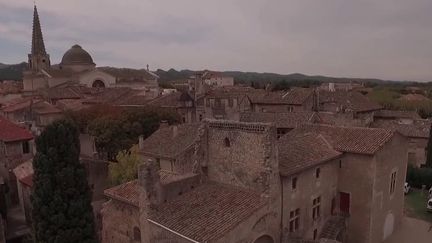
[{"x": 388, "y": 39}]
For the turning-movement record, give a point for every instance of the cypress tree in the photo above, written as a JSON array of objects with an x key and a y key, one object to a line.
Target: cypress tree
[
  {"x": 429, "y": 150},
  {"x": 61, "y": 199}
]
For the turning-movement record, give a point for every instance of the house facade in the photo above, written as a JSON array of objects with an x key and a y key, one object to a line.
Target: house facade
[{"x": 241, "y": 184}]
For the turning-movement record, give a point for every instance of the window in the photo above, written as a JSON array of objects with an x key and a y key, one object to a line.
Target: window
[
  {"x": 230, "y": 102},
  {"x": 340, "y": 164},
  {"x": 227, "y": 142},
  {"x": 315, "y": 234},
  {"x": 392, "y": 183},
  {"x": 294, "y": 183},
  {"x": 26, "y": 147},
  {"x": 290, "y": 108},
  {"x": 137, "y": 234},
  {"x": 294, "y": 220},
  {"x": 316, "y": 203},
  {"x": 317, "y": 172}
]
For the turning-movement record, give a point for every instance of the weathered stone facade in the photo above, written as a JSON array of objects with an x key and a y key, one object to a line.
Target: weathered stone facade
[{"x": 358, "y": 189}]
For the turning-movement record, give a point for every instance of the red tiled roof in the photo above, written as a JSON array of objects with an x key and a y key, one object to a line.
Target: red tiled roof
[
  {"x": 164, "y": 143},
  {"x": 418, "y": 129},
  {"x": 349, "y": 139},
  {"x": 295, "y": 96},
  {"x": 127, "y": 192},
  {"x": 281, "y": 120},
  {"x": 350, "y": 100},
  {"x": 297, "y": 153},
  {"x": 172, "y": 100},
  {"x": 207, "y": 212},
  {"x": 28, "y": 180},
  {"x": 203, "y": 214},
  {"x": 10, "y": 132}
]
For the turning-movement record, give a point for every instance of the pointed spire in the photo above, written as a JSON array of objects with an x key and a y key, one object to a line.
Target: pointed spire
[{"x": 38, "y": 46}]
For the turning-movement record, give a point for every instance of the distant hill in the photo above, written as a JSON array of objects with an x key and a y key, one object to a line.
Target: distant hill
[{"x": 12, "y": 71}]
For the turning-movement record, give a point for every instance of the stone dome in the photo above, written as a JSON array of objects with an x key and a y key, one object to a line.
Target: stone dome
[{"x": 77, "y": 56}]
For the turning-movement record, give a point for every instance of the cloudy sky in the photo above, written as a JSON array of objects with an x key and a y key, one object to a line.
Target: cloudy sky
[{"x": 388, "y": 39}]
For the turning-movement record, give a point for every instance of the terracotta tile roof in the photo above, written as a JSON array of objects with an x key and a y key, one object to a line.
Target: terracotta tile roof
[
  {"x": 281, "y": 120},
  {"x": 350, "y": 100},
  {"x": 349, "y": 139},
  {"x": 136, "y": 100},
  {"x": 208, "y": 212},
  {"x": 172, "y": 100},
  {"x": 127, "y": 192},
  {"x": 28, "y": 180},
  {"x": 397, "y": 114},
  {"x": 18, "y": 104},
  {"x": 298, "y": 152},
  {"x": 295, "y": 96},
  {"x": 109, "y": 95},
  {"x": 165, "y": 142},
  {"x": 45, "y": 108},
  {"x": 72, "y": 104},
  {"x": 419, "y": 128},
  {"x": 231, "y": 92},
  {"x": 10, "y": 132}
]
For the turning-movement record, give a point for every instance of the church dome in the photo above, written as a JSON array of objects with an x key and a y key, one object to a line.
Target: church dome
[{"x": 77, "y": 56}]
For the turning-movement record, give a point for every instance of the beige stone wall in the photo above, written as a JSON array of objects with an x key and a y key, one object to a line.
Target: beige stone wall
[
  {"x": 225, "y": 111},
  {"x": 391, "y": 158},
  {"x": 119, "y": 220},
  {"x": 87, "y": 145},
  {"x": 308, "y": 188},
  {"x": 46, "y": 119},
  {"x": 88, "y": 78},
  {"x": 247, "y": 159},
  {"x": 417, "y": 149},
  {"x": 356, "y": 177}
]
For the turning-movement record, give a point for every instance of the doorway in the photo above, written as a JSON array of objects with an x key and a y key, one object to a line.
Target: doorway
[{"x": 344, "y": 203}]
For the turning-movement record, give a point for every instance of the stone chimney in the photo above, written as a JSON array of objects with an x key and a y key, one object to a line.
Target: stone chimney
[
  {"x": 175, "y": 131},
  {"x": 163, "y": 123},
  {"x": 149, "y": 180},
  {"x": 141, "y": 142}
]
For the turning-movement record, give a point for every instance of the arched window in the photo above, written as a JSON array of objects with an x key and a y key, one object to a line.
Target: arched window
[
  {"x": 98, "y": 84},
  {"x": 137, "y": 234},
  {"x": 227, "y": 142}
]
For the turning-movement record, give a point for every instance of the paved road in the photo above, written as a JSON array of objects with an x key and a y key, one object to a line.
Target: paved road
[{"x": 412, "y": 231}]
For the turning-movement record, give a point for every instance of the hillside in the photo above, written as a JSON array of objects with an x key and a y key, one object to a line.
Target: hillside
[{"x": 12, "y": 71}]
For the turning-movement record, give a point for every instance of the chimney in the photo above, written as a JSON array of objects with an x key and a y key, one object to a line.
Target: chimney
[
  {"x": 163, "y": 123},
  {"x": 141, "y": 142},
  {"x": 175, "y": 131},
  {"x": 149, "y": 181}
]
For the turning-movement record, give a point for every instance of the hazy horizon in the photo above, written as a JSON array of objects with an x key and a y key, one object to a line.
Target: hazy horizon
[{"x": 390, "y": 40}]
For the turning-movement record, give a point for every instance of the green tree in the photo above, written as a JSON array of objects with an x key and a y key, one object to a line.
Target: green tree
[
  {"x": 126, "y": 167},
  {"x": 61, "y": 200},
  {"x": 429, "y": 148}
]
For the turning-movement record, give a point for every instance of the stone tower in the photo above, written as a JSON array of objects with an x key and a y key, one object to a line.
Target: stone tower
[{"x": 38, "y": 58}]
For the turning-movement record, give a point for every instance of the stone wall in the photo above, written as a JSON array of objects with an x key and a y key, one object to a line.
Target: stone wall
[
  {"x": 356, "y": 177},
  {"x": 119, "y": 222},
  {"x": 2, "y": 231},
  {"x": 417, "y": 151},
  {"x": 308, "y": 187},
  {"x": 387, "y": 208},
  {"x": 242, "y": 154}
]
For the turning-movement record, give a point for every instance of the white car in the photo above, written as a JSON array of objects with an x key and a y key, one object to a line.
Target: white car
[
  {"x": 406, "y": 188},
  {"x": 429, "y": 205}
]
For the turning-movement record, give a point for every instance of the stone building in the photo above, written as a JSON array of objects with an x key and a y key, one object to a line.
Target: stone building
[
  {"x": 241, "y": 184},
  {"x": 295, "y": 99},
  {"x": 77, "y": 66},
  {"x": 284, "y": 122},
  {"x": 15, "y": 148},
  {"x": 417, "y": 132}
]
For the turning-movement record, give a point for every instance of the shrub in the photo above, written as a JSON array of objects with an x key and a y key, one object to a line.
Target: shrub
[{"x": 417, "y": 177}]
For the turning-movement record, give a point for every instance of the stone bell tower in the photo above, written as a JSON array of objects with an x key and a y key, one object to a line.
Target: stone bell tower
[{"x": 38, "y": 58}]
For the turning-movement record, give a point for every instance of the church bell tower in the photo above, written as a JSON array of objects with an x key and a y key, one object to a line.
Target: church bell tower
[{"x": 38, "y": 59}]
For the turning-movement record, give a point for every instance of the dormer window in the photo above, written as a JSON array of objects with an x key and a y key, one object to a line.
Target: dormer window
[{"x": 227, "y": 142}]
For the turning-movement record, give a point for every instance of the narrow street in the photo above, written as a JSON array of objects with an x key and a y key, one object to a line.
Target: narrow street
[{"x": 412, "y": 231}]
